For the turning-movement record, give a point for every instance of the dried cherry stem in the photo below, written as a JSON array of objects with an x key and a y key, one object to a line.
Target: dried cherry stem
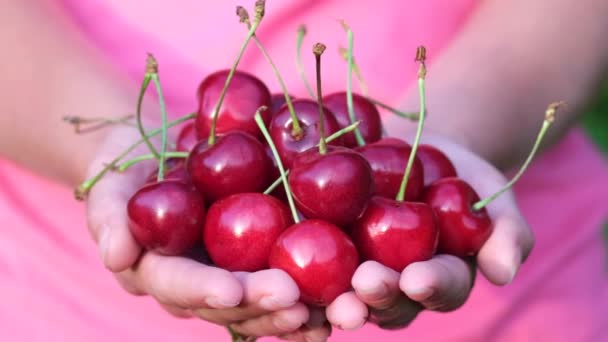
[
  {"x": 151, "y": 69},
  {"x": 275, "y": 153},
  {"x": 420, "y": 57},
  {"x": 259, "y": 14},
  {"x": 300, "y": 66},
  {"x": 549, "y": 118},
  {"x": 126, "y": 165},
  {"x": 349, "y": 81},
  {"x": 83, "y": 189},
  {"x": 329, "y": 139},
  {"x": 318, "y": 50},
  {"x": 96, "y": 123}
]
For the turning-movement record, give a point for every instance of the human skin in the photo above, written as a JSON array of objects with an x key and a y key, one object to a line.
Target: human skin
[{"x": 530, "y": 59}]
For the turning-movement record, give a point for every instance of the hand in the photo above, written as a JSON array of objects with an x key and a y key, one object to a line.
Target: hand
[
  {"x": 253, "y": 304},
  {"x": 393, "y": 300}
]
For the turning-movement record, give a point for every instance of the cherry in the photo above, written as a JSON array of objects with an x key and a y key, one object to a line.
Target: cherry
[
  {"x": 236, "y": 163},
  {"x": 463, "y": 230},
  {"x": 166, "y": 217},
  {"x": 334, "y": 186},
  {"x": 277, "y": 101},
  {"x": 240, "y": 229},
  {"x": 435, "y": 164},
  {"x": 388, "y": 159},
  {"x": 244, "y": 95},
  {"x": 290, "y": 146},
  {"x": 365, "y": 111},
  {"x": 175, "y": 169},
  {"x": 319, "y": 257},
  {"x": 187, "y": 138},
  {"x": 395, "y": 233}
]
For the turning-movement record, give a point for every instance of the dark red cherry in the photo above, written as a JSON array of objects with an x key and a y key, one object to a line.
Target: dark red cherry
[
  {"x": 277, "y": 101},
  {"x": 187, "y": 138},
  {"x": 334, "y": 186},
  {"x": 395, "y": 233},
  {"x": 236, "y": 163},
  {"x": 245, "y": 95},
  {"x": 388, "y": 160},
  {"x": 175, "y": 169},
  {"x": 462, "y": 230},
  {"x": 289, "y": 146},
  {"x": 166, "y": 217},
  {"x": 435, "y": 164},
  {"x": 319, "y": 257},
  {"x": 240, "y": 229},
  {"x": 279, "y": 191},
  {"x": 371, "y": 125}
]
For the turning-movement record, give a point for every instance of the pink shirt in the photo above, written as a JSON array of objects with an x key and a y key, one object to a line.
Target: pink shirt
[{"x": 54, "y": 288}]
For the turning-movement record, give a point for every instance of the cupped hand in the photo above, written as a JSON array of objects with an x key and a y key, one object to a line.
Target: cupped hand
[
  {"x": 253, "y": 304},
  {"x": 392, "y": 300}
]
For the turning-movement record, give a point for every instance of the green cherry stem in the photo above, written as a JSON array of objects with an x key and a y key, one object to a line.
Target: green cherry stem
[
  {"x": 318, "y": 50},
  {"x": 275, "y": 153},
  {"x": 421, "y": 76},
  {"x": 549, "y": 118},
  {"x": 83, "y": 189},
  {"x": 164, "y": 133},
  {"x": 336, "y": 135},
  {"x": 299, "y": 64},
  {"x": 151, "y": 69},
  {"x": 127, "y": 164},
  {"x": 349, "y": 81},
  {"x": 405, "y": 115}
]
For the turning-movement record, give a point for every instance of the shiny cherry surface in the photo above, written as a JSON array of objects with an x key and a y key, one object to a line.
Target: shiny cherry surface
[
  {"x": 462, "y": 230},
  {"x": 166, "y": 217},
  {"x": 277, "y": 101},
  {"x": 187, "y": 138},
  {"x": 319, "y": 257},
  {"x": 371, "y": 125},
  {"x": 435, "y": 164}
]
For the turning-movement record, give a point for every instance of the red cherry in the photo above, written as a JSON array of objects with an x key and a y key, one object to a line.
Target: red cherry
[
  {"x": 334, "y": 187},
  {"x": 436, "y": 164},
  {"x": 245, "y": 95},
  {"x": 462, "y": 230},
  {"x": 187, "y": 138},
  {"x": 240, "y": 229},
  {"x": 175, "y": 169},
  {"x": 371, "y": 125},
  {"x": 388, "y": 159},
  {"x": 277, "y": 101},
  {"x": 395, "y": 233},
  {"x": 166, "y": 217},
  {"x": 236, "y": 163},
  {"x": 319, "y": 257},
  {"x": 289, "y": 146}
]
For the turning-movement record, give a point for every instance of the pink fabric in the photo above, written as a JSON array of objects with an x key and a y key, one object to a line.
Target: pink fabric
[{"x": 54, "y": 287}]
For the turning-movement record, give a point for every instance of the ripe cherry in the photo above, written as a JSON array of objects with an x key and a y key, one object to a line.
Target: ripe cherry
[
  {"x": 244, "y": 96},
  {"x": 167, "y": 216},
  {"x": 319, "y": 257},
  {"x": 435, "y": 164},
  {"x": 240, "y": 229},
  {"x": 187, "y": 138},
  {"x": 277, "y": 101},
  {"x": 175, "y": 169},
  {"x": 236, "y": 163},
  {"x": 365, "y": 111}
]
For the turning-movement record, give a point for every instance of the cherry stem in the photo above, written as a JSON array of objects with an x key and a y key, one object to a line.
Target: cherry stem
[
  {"x": 236, "y": 337},
  {"x": 83, "y": 189},
  {"x": 405, "y": 115},
  {"x": 421, "y": 76},
  {"x": 96, "y": 123},
  {"x": 344, "y": 54},
  {"x": 126, "y": 165},
  {"x": 275, "y": 153},
  {"x": 318, "y": 50},
  {"x": 549, "y": 118},
  {"x": 349, "y": 82},
  {"x": 300, "y": 66},
  {"x": 329, "y": 139},
  {"x": 151, "y": 69},
  {"x": 164, "y": 122}
]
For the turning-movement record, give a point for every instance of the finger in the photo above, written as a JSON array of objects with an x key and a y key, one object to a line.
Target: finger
[
  {"x": 440, "y": 284},
  {"x": 376, "y": 285},
  {"x": 319, "y": 334},
  {"x": 347, "y": 312},
  {"x": 176, "y": 311},
  {"x": 277, "y": 323}
]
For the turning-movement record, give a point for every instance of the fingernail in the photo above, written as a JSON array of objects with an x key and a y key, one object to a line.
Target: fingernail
[
  {"x": 510, "y": 267},
  {"x": 272, "y": 303},
  {"x": 377, "y": 292},
  {"x": 104, "y": 243},
  {"x": 419, "y": 293},
  {"x": 217, "y": 303},
  {"x": 284, "y": 325}
]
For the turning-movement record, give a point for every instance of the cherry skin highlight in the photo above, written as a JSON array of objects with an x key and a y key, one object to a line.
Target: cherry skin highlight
[
  {"x": 236, "y": 163},
  {"x": 166, "y": 217},
  {"x": 319, "y": 257},
  {"x": 395, "y": 233},
  {"x": 307, "y": 112},
  {"x": 435, "y": 164},
  {"x": 187, "y": 138},
  {"x": 334, "y": 187},
  {"x": 462, "y": 230},
  {"x": 240, "y": 229},
  {"x": 244, "y": 96},
  {"x": 388, "y": 160},
  {"x": 365, "y": 111}
]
